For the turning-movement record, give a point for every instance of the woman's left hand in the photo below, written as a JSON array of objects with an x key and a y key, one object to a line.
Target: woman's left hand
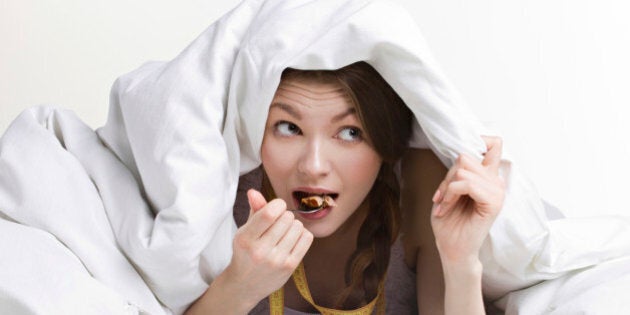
[{"x": 466, "y": 204}]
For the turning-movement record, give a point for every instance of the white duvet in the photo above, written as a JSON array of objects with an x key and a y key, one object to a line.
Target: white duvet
[{"x": 137, "y": 215}]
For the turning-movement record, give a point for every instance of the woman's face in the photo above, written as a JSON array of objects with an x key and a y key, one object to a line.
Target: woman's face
[{"x": 314, "y": 143}]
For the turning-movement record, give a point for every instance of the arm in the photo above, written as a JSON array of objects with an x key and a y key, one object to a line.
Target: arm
[
  {"x": 466, "y": 205},
  {"x": 422, "y": 172},
  {"x": 267, "y": 249},
  {"x": 463, "y": 287},
  {"x": 222, "y": 297}
]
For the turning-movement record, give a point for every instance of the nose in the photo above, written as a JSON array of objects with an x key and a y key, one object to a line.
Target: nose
[{"x": 314, "y": 162}]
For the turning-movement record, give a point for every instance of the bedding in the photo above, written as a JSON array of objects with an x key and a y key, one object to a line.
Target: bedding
[{"x": 139, "y": 211}]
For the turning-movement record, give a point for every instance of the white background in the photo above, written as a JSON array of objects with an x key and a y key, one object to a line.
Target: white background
[{"x": 550, "y": 75}]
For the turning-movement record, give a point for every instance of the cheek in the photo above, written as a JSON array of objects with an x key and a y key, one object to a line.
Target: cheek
[
  {"x": 276, "y": 160},
  {"x": 361, "y": 168}
]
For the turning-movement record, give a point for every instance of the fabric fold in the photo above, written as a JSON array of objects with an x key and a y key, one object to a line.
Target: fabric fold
[{"x": 45, "y": 185}]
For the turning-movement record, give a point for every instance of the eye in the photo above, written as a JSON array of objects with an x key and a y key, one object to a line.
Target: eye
[
  {"x": 286, "y": 129},
  {"x": 350, "y": 134}
]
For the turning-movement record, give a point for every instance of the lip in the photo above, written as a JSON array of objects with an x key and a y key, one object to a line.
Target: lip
[
  {"x": 316, "y": 215},
  {"x": 314, "y": 190}
]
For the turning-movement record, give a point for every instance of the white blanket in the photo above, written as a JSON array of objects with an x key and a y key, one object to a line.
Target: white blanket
[{"x": 138, "y": 213}]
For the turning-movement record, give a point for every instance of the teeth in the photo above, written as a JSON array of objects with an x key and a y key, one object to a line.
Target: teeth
[{"x": 329, "y": 201}]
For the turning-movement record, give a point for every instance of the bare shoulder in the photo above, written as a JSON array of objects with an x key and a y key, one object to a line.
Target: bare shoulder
[{"x": 421, "y": 174}]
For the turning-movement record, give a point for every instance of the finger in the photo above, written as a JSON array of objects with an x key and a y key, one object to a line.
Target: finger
[
  {"x": 262, "y": 219},
  {"x": 463, "y": 161},
  {"x": 475, "y": 187},
  {"x": 492, "y": 158},
  {"x": 290, "y": 238},
  {"x": 256, "y": 201},
  {"x": 454, "y": 192},
  {"x": 456, "y": 189},
  {"x": 277, "y": 230},
  {"x": 470, "y": 163},
  {"x": 439, "y": 193},
  {"x": 302, "y": 245},
  {"x": 450, "y": 195}
]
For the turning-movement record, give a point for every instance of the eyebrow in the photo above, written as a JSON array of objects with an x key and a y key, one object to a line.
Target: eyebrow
[
  {"x": 291, "y": 111},
  {"x": 349, "y": 111},
  {"x": 287, "y": 108}
]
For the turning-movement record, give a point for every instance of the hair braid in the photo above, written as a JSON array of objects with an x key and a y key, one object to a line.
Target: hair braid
[{"x": 368, "y": 264}]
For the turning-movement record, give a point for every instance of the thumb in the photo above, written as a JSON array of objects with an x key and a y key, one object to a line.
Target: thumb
[{"x": 256, "y": 200}]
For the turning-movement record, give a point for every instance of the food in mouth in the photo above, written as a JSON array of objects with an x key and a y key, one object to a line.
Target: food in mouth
[{"x": 314, "y": 203}]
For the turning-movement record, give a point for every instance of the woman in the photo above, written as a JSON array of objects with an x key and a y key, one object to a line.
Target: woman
[{"x": 339, "y": 134}]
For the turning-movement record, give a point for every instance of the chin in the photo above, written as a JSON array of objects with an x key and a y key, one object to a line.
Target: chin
[{"x": 320, "y": 230}]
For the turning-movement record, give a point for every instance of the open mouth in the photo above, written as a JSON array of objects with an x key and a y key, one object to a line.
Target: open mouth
[{"x": 312, "y": 202}]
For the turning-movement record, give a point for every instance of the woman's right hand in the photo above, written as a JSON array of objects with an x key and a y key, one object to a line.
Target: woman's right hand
[{"x": 267, "y": 248}]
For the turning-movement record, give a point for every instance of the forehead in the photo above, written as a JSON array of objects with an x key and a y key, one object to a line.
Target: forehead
[{"x": 312, "y": 93}]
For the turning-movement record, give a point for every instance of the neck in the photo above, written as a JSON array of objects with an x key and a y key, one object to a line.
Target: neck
[
  {"x": 341, "y": 244},
  {"x": 325, "y": 264}
]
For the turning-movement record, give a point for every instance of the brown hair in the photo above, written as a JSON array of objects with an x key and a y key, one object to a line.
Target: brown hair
[{"x": 387, "y": 123}]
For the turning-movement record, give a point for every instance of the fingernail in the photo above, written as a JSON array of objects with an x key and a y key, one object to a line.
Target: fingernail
[{"x": 436, "y": 196}]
